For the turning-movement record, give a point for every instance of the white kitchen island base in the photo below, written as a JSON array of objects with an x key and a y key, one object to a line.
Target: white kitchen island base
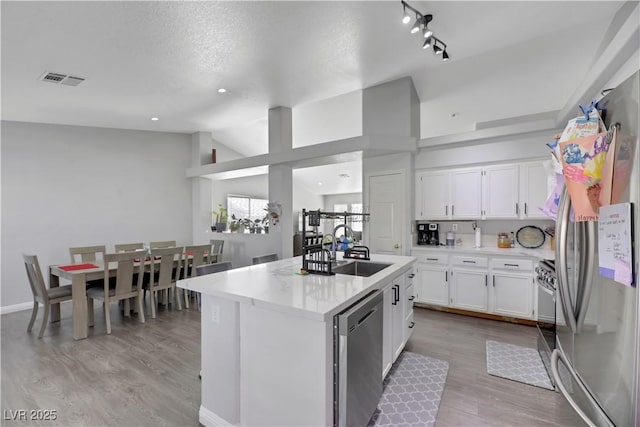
[{"x": 267, "y": 341}]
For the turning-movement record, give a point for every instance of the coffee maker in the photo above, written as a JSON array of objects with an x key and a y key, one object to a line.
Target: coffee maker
[{"x": 428, "y": 234}]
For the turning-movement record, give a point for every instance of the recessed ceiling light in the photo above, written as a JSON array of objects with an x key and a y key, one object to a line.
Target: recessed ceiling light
[
  {"x": 344, "y": 175},
  {"x": 222, "y": 90},
  {"x": 155, "y": 119},
  {"x": 319, "y": 183}
]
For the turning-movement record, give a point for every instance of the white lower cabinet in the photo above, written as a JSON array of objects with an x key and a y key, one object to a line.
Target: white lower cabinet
[
  {"x": 434, "y": 284},
  {"x": 513, "y": 294},
  {"x": 469, "y": 289},
  {"x": 397, "y": 317}
]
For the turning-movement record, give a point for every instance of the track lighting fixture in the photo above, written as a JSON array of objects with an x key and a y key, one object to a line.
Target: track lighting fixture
[{"x": 422, "y": 23}]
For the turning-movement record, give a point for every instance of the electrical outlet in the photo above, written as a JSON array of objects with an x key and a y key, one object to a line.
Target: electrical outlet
[
  {"x": 215, "y": 314},
  {"x": 454, "y": 227}
]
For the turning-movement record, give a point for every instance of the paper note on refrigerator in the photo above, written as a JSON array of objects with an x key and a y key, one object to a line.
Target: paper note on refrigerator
[{"x": 614, "y": 243}]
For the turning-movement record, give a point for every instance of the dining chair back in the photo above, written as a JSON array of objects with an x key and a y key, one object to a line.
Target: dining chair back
[
  {"x": 41, "y": 294},
  {"x": 193, "y": 257},
  {"x": 128, "y": 247},
  {"x": 203, "y": 270},
  {"x": 163, "y": 244},
  {"x": 216, "y": 250},
  {"x": 130, "y": 266},
  {"x": 265, "y": 258},
  {"x": 163, "y": 275},
  {"x": 87, "y": 253}
]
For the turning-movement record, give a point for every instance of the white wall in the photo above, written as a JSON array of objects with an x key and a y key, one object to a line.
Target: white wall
[
  {"x": 304, "y": 199},
  {"x": 65, "y": 186},
  {"x": 502, "y": 149},
  {"x": 328, "y": 120}
]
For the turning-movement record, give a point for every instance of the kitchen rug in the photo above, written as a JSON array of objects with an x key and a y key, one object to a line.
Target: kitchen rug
[
  {"x": 513, "y": 362},
  {"x": 412, "y": 391}
]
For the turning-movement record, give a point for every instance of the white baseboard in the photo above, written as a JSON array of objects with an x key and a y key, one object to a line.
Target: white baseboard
[
  {"x": 208, "y": 418},
  {"x": 16, "y": 307}
]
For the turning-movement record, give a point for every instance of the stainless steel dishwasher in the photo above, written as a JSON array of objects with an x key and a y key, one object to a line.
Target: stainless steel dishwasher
[{"x": 357, "y": 335}]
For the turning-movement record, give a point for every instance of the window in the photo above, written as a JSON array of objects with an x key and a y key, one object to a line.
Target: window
[
  {"x": 355, "y": 222},
  {"x": 246, "y": 207}
]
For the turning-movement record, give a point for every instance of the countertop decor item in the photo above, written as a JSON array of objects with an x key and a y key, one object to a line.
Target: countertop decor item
[{"x": 530, "y": 237}]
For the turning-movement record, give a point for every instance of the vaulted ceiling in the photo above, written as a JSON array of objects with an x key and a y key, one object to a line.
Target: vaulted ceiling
[{"x": 167, "y": 60}]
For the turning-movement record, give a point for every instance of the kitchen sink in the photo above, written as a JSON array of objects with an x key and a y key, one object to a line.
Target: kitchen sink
[{"x": 360, "y": 268}]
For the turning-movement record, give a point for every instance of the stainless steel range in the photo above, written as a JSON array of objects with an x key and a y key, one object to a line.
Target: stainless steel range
[{"x": 546, "y": 281}]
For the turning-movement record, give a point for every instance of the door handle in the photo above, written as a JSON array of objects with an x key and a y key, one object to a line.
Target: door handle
[{"x": 396, "y": 246}]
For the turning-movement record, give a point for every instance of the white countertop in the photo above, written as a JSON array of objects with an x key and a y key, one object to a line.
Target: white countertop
[
  {"x": 276, "y": 285},
  {"x": 541, "y": 253}
]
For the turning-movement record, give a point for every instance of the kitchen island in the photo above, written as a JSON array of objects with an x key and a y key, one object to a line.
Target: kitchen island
[{"x": 267, "y": 338}]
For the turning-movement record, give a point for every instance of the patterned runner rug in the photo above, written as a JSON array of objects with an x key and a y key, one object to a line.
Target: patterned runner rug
[
  {"x": 412, "y": 392},
  {"x": 517, "y": 363}
]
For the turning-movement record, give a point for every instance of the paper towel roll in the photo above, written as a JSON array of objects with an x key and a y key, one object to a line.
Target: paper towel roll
[{"x": 478, "y": 238}]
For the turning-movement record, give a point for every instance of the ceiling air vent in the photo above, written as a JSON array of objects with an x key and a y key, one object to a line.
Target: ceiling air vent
[{"x": 64, "y": 79}]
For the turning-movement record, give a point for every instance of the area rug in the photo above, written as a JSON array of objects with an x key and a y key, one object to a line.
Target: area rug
[
  {"x": 517, "y": 363},
  {"x": 412, "y": 392}
]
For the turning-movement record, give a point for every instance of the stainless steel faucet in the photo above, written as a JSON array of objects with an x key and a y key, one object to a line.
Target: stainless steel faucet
[{"x": 347, "y": 230}]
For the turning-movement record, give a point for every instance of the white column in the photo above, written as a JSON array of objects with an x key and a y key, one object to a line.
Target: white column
[
  {"x": 280, "y": 177},
  {"x": 201, "y": 143}
]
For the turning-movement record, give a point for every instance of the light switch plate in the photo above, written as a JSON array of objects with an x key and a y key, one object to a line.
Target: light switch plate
[
  {"x": 454, "y": 227},
  {"x": 215, "y": 314}
]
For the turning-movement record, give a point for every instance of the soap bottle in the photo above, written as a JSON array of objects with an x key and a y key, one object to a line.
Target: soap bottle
[
  {"x": 478, "y": 237},
  {"x": 512, "y": 240}
]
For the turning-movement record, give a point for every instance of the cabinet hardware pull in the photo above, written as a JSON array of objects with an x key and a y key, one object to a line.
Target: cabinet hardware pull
[
  {"x": 452, "y": 210},
  {"x": 485, "y": 280},
  {"x": 468, "y": 262},
  {"x": 517, "y": 209},
  {"x": 494, "y": 281},
  {"x": 446, "y": 210},
  {"x": 412, "y": 325},
  {"x": 432, "y": 259},
  {"x": 411, "y": 298},
  {"x": 394, "y": 302},
  {"x": 411, "y": 276},
  {"x": 525, "y": 208},
  {"x": 446, "y": 276},
  {"x": 512, "y": 265}
]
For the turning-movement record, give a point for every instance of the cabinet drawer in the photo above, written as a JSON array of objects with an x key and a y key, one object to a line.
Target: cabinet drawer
[
  {"x": 433, "y": 259},
  {"x": 410, "y": 297},
  {"x": 512, "y": 264},
  {"x": 469, "y": 261}
]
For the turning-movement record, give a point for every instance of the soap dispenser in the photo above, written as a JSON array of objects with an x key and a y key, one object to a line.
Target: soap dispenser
[{"x": 478, "y": 238}]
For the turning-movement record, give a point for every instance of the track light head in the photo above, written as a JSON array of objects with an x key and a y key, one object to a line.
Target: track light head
[
  {"x": 445, "y": 55},
  {"x": 416, "y": 26},
  {"x": 405, "y": 17},
  {"x": 426, "y": 32},
  {"x": 427, "y": 43},
  {"x": 437, "y": 49}
]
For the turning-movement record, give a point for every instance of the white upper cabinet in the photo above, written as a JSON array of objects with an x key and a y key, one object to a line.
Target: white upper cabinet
[
  {"x": 432, "y": 195},
  {"x": 533, "y": 190},
  {"x": 500, "y": 192},
  {"x": 466, "y": 191}
]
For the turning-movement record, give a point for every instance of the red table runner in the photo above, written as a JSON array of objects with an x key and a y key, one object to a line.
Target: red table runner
[{"x": 76, "y": 267}]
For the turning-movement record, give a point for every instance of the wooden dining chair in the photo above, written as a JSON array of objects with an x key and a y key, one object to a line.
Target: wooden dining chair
[
  {"x": 163, "y": 244},
  {"x": 264, "y": 258},
  {"x": 193, "y": 257},
  {"x": 128, "y": 247},
  {"x": 124, "y": 289},
  {"x": 88, "y": 254},
  {"x": 216, "y": 250},
  {"x": 42, "y": 294},
  {"x": 163, "y": 275}
]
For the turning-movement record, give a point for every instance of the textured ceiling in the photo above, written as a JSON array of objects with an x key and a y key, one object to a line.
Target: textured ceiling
[{"x": 167, "y": 59}]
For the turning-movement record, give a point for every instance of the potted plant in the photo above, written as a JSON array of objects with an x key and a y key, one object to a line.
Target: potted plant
[
  {"x": 239, "y": 225},
  {"x": 220, "y": 218}
]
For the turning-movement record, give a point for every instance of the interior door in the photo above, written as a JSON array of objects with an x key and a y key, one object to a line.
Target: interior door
[{"x": 386, "y": 200}]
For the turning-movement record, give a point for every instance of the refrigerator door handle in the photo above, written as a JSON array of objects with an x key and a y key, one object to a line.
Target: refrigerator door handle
[
  {"x": 556, "y": 356},
  {"x": 586, "y": 275},
  {"x": 562, "y": 274}
]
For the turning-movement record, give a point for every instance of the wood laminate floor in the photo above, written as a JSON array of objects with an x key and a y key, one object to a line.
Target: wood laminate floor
[{"x": 147, "y": 375}]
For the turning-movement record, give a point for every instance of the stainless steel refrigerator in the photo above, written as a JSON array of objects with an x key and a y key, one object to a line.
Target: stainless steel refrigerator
[{"x": 597, "y": 318}]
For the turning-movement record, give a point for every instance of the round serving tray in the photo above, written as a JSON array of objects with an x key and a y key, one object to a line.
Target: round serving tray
[{"x": 530, "y": 237}]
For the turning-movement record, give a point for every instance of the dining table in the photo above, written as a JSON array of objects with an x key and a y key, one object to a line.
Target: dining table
[{"x": 79, "y": 274}]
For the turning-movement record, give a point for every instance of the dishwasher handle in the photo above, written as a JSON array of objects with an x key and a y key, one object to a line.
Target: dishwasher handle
[{"x": 357, "y": 314}]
